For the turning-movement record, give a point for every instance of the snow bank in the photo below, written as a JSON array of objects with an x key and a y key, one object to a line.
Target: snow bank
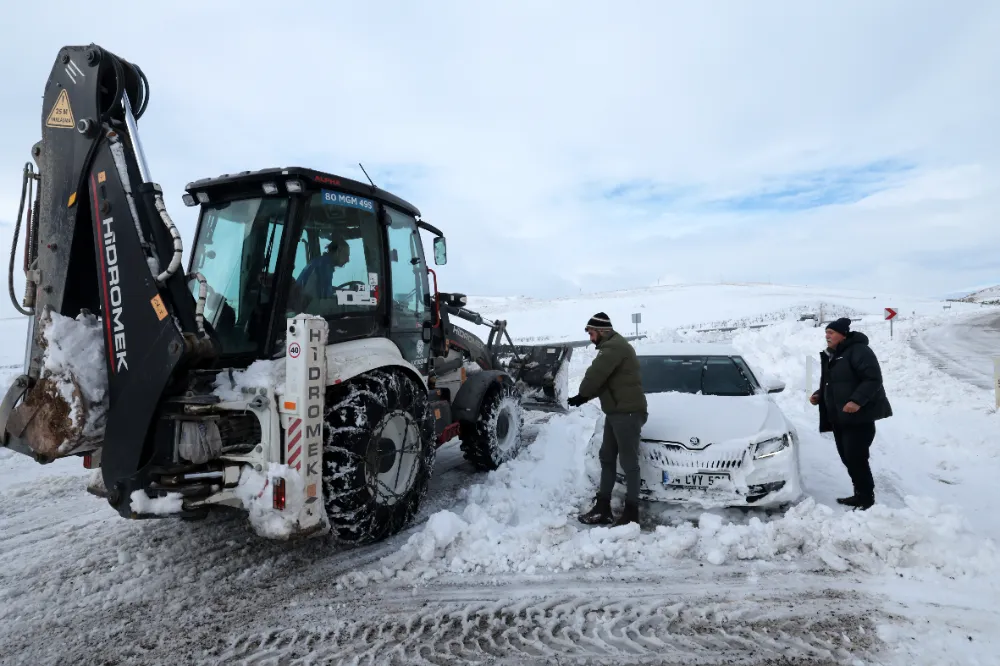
[
  {"x": 523, "y": 519},
  {"x": 235, "y": 386}
]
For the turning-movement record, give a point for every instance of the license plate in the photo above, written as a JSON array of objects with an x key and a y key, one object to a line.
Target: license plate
[{"x": 694, "y": 480}]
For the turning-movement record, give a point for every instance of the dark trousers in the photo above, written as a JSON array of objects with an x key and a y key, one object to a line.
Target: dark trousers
[
  {"x": 853, "y": 444},
  {"x": 621, "y": 440}
]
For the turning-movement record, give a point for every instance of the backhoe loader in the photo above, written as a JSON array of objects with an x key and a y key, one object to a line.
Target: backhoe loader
[{"x": 305, "y": 367}]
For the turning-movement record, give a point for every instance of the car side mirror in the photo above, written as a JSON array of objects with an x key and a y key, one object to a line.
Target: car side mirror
[
  {"x": 774, "y": 386},
  {"x": 440, "y": 251}
]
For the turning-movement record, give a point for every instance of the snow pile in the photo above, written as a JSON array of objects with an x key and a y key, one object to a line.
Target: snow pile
[
  {"x": 73, "y": 363},
  {"x": 238, "y": 385},
  {"x": 255, "y": 491},
  {"x": 160, "y": 506},
  {"x": 523, "y": 519}
]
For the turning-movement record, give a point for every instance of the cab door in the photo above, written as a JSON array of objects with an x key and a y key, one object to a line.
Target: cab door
[{"x": 408, "y": 293}]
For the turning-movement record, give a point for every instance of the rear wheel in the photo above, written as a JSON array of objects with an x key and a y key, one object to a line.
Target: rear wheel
[
  {"x": 496, "y": 436},
  {"x": 378, "y": 454}
]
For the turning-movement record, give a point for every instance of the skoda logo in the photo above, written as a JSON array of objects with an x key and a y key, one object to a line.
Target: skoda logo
[{"x": 695, "y": 443}]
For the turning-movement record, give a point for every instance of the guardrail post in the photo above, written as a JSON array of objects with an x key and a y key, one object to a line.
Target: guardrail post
[
  {"x": 809, "y": 376},
  {"x": 996, "y": 379}
]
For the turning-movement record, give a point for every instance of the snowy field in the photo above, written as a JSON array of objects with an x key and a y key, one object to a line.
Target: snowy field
[{"x": 498, "y": 570}]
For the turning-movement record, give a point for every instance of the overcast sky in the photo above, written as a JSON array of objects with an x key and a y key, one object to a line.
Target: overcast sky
[{"x": 582, "y": 145}]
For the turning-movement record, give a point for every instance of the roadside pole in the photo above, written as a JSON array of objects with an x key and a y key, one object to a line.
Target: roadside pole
[
  {"x": 809, "y": 376},
  {"x": 637, "y": 319},
  {"x": 996, "y": 379},
  {"x": 890, "y": 315}
]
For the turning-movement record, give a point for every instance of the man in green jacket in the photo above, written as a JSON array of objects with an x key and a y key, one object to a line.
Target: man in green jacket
[{"x": 614, "y": 378}]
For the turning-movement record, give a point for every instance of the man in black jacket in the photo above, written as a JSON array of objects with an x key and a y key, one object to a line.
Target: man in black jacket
[{"x": 851, "y": 398}]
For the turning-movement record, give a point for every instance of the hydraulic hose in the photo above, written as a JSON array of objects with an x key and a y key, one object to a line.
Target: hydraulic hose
[
  {"x": 199, "y": 312},
  {"x": 28, "y": 175},
  {"x": 175, "y": 236}
]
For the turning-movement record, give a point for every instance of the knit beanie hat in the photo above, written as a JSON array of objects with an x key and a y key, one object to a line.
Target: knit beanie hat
[
  {"x": 599, "y": 322},
  {"x": 842, "y": 326}
]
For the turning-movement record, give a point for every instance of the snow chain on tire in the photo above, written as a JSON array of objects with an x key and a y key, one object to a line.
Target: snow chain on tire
[
  {"x": 496, "y": 436},
  {"x": 378, "y": 454}
]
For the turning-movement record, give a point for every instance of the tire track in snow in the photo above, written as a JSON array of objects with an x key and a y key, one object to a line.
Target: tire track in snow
[
  {"x": 155, "y": 588},
  {"x": 816, "y": 627}
]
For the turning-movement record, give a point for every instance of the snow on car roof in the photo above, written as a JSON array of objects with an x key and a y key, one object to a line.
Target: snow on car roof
[{"x": 686, "y": 349}]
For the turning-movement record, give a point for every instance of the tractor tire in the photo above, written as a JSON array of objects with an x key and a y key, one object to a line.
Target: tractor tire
[
  {"x": 378, "y": 454},
  {"x": 496, "y": 436}
]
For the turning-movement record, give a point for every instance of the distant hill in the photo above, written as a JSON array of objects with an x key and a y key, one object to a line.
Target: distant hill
[{"x": 987, "y": 296}]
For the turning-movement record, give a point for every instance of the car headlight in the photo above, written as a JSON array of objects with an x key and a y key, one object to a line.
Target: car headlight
[{"x": 773, "y": 446}]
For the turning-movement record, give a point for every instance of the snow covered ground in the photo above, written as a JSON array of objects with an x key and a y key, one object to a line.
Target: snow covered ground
[{"x": 498, "y": 570}]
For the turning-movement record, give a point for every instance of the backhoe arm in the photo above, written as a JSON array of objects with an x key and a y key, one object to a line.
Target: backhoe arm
[{"x": 101, "y": 241}]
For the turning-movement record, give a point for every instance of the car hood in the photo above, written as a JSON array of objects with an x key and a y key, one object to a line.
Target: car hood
[{"x": 677, "y": 417}]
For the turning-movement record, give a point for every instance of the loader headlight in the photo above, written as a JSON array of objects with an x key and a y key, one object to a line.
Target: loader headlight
[
  {"x": 293, "y": 185},
  {"x": 772, "y": 446},
  {"x": 270, "y": 188}
]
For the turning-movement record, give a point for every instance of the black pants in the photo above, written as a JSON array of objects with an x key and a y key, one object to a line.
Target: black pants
[
  {"x": 621, "y": 440},
  {"x": 853, "y": 444}
]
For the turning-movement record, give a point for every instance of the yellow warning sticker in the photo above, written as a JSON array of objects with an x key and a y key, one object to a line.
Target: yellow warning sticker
[
  {"x": 72, "y": 200},
  {"x": 159, "y": 307},
  {"x": 61, "y": 114},
  {"x": 102, "y": 176}
]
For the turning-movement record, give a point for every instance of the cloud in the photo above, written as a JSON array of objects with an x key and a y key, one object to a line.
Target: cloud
[
  {"x": 574, "y": 146},
  {"x": 816, "y": 189}
]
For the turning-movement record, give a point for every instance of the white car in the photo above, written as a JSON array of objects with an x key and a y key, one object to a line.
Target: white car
[{"x": 714, "y": 436}]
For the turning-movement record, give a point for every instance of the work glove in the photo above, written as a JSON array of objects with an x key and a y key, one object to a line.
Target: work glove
[{"x": 576, "y": 401}]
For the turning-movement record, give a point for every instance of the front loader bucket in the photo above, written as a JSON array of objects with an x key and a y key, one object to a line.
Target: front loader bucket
[{"x": 541, "y": 373}]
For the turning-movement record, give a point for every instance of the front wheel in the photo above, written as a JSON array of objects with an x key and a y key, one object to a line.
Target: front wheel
[
  {"x": 496, "y": 436},
  {"x": 378, "y": 454}
]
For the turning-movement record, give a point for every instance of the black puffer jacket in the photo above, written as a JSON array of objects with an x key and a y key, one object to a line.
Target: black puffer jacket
[{"x": 851, "y": 373}]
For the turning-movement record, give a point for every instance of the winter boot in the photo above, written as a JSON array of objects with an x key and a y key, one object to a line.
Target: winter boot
[
  {"x": 858, "y": 501},
  {"x": 630, "y": 514},
  {"x": 864, "y": 502},
  {"x": 849, "y": 501},
  {"x": 600, "y": 514}
]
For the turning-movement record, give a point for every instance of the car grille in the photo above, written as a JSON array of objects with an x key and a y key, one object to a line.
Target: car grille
[{"x": 675, "y": 455}]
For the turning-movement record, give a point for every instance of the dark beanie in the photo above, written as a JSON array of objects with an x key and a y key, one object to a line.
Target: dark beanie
[
  {"x": 600, "y": 321},
  {"x": 842, "y": 326}
]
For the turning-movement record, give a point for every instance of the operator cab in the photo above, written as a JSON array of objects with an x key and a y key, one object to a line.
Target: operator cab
[{"x": 275, "y": 243}]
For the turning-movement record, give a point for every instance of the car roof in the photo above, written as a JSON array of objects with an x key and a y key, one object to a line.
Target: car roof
[{"x": 686, "y": 349}]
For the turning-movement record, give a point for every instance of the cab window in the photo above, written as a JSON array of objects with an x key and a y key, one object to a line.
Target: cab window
[{"x": 337, "y": 258}]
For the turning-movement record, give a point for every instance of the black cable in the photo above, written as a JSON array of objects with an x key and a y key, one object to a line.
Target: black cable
[
  {"x": 119, "y": 85},
  {"x": 17, "y": 232},
  {"x": 144, "y": 92}
]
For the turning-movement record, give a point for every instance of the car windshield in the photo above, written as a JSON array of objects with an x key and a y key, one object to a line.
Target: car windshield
[
  {"x": 236, "y": 251},
  {"x": 705, "y": 375}
]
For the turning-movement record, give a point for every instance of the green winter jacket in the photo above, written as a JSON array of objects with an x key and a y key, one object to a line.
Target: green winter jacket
[{"x": 614, "y": 378}]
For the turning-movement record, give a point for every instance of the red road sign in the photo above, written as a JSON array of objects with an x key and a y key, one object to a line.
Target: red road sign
[{"x": 890, "y": 313}]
